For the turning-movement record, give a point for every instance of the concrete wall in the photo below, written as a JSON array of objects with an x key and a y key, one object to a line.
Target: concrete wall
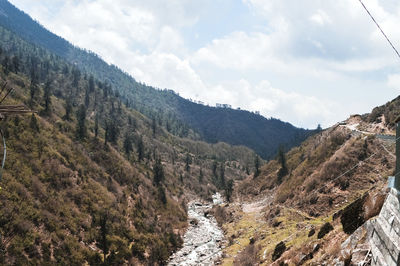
[{"x": 384, "y": 238}]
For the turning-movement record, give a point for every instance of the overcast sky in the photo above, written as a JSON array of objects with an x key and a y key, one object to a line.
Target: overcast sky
[{"x": 305, "y": 62}]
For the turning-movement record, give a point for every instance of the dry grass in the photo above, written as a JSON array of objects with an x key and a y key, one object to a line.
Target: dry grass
[
  {"x": 309, "y": 196},
  {"x": 248, "y": 256}
]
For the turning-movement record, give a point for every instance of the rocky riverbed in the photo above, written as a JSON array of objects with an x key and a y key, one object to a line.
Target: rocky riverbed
[{"x": 202, "y": 241}]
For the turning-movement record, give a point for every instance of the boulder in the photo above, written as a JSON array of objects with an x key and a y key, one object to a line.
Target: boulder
[
  {"x": 325, "y": 229},
  {"x": 280, "y": 248}
]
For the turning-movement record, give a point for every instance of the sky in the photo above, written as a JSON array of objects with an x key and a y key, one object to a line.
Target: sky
[{"x": 306, "y": 62}]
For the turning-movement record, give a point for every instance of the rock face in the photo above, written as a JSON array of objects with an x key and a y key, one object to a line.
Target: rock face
[
  {"x": 202, "y": 240},
  {"x": 352, "y": 216},
  {"x": 361, "y": 210}
]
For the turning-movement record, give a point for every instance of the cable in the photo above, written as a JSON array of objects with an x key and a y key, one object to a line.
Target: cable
[
  {"x": 5, "y": 96},
  {"x": 359, "y": 163},
  {"x": 4, "y": 155},
  {"x": 379, "y": 27}
]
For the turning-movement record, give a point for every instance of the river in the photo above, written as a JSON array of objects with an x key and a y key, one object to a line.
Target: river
[{"x": 203, "y": 238}]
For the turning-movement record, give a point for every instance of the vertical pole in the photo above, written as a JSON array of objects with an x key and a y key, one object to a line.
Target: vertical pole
[{"x": 397, "y": 174}]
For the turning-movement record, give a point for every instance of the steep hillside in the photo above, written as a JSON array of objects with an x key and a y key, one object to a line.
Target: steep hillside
[
  {"x": 307, "y": 202},
  {"x": 88, "y": 179},
  {"x": 385, "y": 114},
  {"x": 213, "y": 124}
]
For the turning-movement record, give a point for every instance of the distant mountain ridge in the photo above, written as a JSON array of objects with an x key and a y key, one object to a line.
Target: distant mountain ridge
[{"x": 212, "y": 124}]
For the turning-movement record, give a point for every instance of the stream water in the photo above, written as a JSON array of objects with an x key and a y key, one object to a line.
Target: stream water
[{"x": 202, "y": 241}]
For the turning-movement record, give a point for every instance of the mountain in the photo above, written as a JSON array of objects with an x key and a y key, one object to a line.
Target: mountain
[
  {"x": 211, "y": 124},
  {"x": 309, "y": 205},
  {"x": 88, "y": 179},
  {"x": 385, "y": 115}
]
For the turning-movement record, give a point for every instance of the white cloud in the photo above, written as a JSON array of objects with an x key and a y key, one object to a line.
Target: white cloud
[
  {"x": 321, "y": 18},
  {"x": 336, "y": 24},
  {"x": 152, "y": 69},
  {"x": 393, "y": 81},
  {"x": 171, "y": 41},
  {"x": 290, "y": 106},
  {"x": 238, "y": 50},
  {"x": 309, "y": 50},
  {"x": 297, "y": 108}
]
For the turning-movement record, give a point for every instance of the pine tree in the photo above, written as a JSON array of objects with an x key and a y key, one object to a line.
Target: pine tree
[
  {"x": 113, "y": 131},
  {"x": 201, "y": 176},
  {"x": 106, "y": 135},
  {"x": 32, "y": 89},
  {"x": 214, "y": 169},
  {"x": 283, "y": 171},
  {"x": 256, "y": 166},
  {"x": 229, "y": 190},
  {"x": 34, "y": 75},
  {"x": 6, "y": 65},
  {"x": 222, "y": 176},
  {"x": 161, "y": 195},
  {"x": 34, "y": 124},
  {"x": 16, "y": 64},
  {"x": 188, "y": 161},
  {"x": 103, "y": 233},
  {"x": 81, "y": 118},
  {"x": 87, "y": 98},
  {"x": 91, "y": 84},
  {"x": 68, "y": 109},
  {"x": 140, "y": 149},
  {"x": 96, "y": 126},
  {"x": 128, "y": 145},
  {"x": 76, "y": 75},
  {"x": 47, "y": 97},
  {"x": 158, "y": 172},
  {"x": 181, "y": 178},
  {"x": 153, "y": 126}
]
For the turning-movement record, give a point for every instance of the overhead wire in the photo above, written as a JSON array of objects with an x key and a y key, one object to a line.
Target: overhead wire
[
  {"x": 379, "y": 27},
  {"x": 4, "y": 155},
  {"x": 356, "y": 165},
  {"x": 359, "y": 163}
]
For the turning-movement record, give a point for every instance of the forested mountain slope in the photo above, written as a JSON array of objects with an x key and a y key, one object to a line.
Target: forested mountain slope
[
  {"x": 88, "y": 179},
  {"x": 212, "y": 124}
]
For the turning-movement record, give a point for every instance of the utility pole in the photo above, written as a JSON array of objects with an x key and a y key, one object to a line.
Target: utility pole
[{"x": 397, "y": 173}]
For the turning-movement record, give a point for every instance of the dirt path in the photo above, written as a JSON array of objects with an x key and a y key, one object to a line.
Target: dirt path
[{"x": 255, "y": 206}]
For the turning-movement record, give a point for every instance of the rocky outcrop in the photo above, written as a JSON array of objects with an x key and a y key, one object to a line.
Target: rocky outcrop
[{"x": 360, "y": 211}]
